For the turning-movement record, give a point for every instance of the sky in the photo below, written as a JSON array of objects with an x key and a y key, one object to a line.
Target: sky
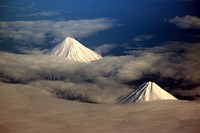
[
  {"x": 141, "y": 40},
  {"x": 136, "y": 23}
]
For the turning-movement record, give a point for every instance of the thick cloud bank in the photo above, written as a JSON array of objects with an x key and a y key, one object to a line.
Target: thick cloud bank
[{"x": 173, "y": 66}]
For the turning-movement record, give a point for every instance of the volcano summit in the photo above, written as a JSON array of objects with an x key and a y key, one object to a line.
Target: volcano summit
[
  {"x": 148, "y": 91},
  {"x": 73, "y": 50}
]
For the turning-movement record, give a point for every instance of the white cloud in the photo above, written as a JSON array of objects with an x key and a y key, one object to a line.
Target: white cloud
[
  {"x": 176, "y": 60},
  {"x": 37, "y": 31},
  {"x": 186, "y": 22},
  {"x": 137, "y": 67},
  {"x": 105, "y": 48},
  {"x": 142, "y": 38}
]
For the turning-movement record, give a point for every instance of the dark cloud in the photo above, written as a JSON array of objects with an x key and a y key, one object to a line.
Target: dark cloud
[
  {"x": 173, "y": 66},
  {"x": 84, "y": 92},
  {"x": 190, "y": 94}
]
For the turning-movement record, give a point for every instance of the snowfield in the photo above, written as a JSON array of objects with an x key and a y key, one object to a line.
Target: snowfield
[{"x": 29, "y": 109}]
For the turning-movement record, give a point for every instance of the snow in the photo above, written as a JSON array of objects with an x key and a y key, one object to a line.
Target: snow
[
  {"x": 73, "y": 50},
  {"x": 148, "y": 91},
  {"x": 28, "y": 109}
]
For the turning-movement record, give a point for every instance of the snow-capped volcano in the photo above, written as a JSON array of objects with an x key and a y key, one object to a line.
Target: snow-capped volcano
[
  {"x": 148, "y": 91},
  {"x": 73, "y": 50}
]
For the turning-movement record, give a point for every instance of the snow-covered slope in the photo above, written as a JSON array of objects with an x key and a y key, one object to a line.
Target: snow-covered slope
[
  {"x": 148, "y": 91},
  {"x": 73, "y": 50}
]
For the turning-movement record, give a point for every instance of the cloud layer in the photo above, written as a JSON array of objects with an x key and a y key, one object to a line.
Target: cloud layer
[
  {"x": 38, "y": 31},
  {"x": 173, "y": 66},
  {"x": 186, "y": 22}
]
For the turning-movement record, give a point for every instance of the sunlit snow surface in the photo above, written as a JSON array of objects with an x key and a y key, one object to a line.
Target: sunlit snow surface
[
  {"x": 73, "y": 50},
  {"x": 148, "y": 91}
]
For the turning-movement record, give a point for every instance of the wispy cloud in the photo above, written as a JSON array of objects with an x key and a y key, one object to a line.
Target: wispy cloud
[
  {"x": 37, "y": 31},
  {"x": 44, "y": 13},
  {"x": 105, "y": 48},
  {"x": 186, "y": 22},
  {"x": 14, "y": 6},
  {"x": 142, "y": 38},
  {"x": 27, "y": 50}
]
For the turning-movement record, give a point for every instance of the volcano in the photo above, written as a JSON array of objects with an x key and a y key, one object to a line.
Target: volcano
[
  {"x": 149, "y": 91},
  {"x": 71, "y": 49}
]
